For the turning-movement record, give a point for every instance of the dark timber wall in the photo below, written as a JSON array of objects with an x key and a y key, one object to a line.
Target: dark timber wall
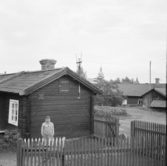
[
  {"x": 71, "y": 116},
  {"x": 150, "y": 96},
  {"x": 2, "y": 127},
  {"x": 4, "y": 111},
  {"x": 132, "y": 100}
]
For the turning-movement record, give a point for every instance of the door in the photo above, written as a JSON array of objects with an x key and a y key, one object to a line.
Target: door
[{"x": 1, "y": 113}]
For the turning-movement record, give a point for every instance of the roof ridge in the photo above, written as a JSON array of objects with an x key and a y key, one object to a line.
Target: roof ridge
[
  {"x": 61, "y": 69},
  {"x": 32, "y": 71},
  {"x": 11, "y": 77},
  {"x": 44, "y": 70}
]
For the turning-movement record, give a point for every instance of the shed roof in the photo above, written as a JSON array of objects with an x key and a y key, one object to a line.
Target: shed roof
[
  {"x": 136, "y": 90},
  {"x": 158, "y": 104},
  {"x": 25, "y": 83},
  {"x": 162, "y": 91}
]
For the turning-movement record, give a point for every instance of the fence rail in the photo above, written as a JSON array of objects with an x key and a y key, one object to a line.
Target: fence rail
[{"x": 91, "y": 152}]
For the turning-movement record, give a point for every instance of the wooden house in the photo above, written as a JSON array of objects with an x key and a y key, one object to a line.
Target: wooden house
[
  {"x": 26, "y": 98},
  {"x": 143, "y": 94}
]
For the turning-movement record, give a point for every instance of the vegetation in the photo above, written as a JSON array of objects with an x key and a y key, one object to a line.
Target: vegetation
[
  {"x": 9, "y": 140},
  {"x": 126, "y": 80},
  {"x": 81, "y": 72},
  {"x": 108, "y": 111},
  {"x": 112, "y": 96}
]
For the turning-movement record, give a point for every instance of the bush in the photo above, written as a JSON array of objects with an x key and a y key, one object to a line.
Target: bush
[
  {"x": 109, "y": 111},
  {"x": 9, "y": 140}
]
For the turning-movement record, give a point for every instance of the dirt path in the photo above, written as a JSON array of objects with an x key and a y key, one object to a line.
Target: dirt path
[
  {"x": 7, "y": 158},
  {"x": 137, "y": 113}
]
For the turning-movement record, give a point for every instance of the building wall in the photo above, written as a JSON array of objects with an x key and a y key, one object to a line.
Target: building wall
[
  {"x": 132, "y": 100},
  {"x": 2, "y": 127},
  {"x": 71, "y": 116},
  {"x": 4, "y": 109},
  {"x": 150, "y": 96}
]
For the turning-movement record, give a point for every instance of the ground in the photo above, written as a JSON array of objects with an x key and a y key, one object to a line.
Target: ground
[
  {"x": 142, "y": 114},
  {"x": 7, "y": 159},
  {"x": 134, "y": 113}
]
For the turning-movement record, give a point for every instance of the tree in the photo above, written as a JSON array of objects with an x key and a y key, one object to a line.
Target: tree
[
  {"x": 137, "y": 81},
  {"x": 81, "y": 72},
  {"x": 117, "y": 81},
  {"x": 127, "y": 80},
  {"x": 111, "y": 94}
]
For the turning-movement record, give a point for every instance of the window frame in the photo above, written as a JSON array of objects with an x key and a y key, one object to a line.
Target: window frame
[
  {"x": 13, "y": 112},
  {"x": 60, "y": 86},
  {"x": 140, "y": 101}
]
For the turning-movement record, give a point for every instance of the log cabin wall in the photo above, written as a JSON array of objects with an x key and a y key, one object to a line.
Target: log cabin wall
[
  {"x": 132, "y": 100},
  {"x": 150, "y": 96},
  {"x": 71, "y": 116},
  {"x": 2, "y": 100},
  {"x": 22, "y": 119}
]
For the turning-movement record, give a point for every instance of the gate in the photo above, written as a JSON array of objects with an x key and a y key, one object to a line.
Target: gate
[{"x": 105, "y": 126}]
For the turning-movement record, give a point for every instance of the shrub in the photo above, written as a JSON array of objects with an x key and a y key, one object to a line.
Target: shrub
[
  {"x": 109, "y": 111},
  {"x": 9, "y": 140}
]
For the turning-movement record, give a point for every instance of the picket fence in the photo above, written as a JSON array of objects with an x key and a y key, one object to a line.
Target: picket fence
[
  {"x": 106, "y": 126},
  {"x": 151, "y": 131},
  {"x": 91, "y": 152}
]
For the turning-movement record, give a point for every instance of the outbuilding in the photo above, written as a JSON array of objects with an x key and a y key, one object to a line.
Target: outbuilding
[
  {"x": 153, "y": 95},
  {"x": 26, "y": 98}
]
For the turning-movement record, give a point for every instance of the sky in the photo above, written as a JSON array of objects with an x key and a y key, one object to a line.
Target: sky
[{"x": 121, "y": 36}]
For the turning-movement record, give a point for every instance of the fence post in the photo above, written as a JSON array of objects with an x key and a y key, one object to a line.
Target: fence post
[
  {"x": 19, "y": 152},
  {"x": 132, "y": 128},
  {"x": 116, "y": 128},
  {"x": 92, "y": 115},
  {"x": 133, "y": 133}
]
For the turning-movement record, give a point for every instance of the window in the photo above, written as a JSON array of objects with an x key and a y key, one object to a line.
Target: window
[
  {"x": 64, "y": 86},
  {"x": 140, "y": 101},
  {"x": 13, "y": 112}
]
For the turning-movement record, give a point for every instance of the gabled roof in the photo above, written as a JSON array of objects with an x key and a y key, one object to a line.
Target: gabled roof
[
  {"x": 158, "y": 104},
  {"x": 25, "y": 83},
  {"x": 162, "y": 91},
  {"x": 135, "y": 90}
]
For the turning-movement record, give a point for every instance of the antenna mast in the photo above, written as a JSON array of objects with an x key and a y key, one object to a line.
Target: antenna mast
[{"x": 78, "y": 62}]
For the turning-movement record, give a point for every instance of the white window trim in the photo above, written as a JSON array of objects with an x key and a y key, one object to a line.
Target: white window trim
[{"x": 13, "y": 122}]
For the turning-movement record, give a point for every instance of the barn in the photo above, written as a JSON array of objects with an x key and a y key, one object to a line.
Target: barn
[{"x": 26, "y": 98}]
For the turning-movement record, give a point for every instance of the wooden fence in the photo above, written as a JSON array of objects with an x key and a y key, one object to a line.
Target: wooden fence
[
  {"x": 153, "y": 132},
  {"x": 90, "y": 152},
  {"x": 105, "y": 126}
]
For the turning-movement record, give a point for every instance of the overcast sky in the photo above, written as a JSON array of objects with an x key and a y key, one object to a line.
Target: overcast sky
[{"x": 122, "y": 36}]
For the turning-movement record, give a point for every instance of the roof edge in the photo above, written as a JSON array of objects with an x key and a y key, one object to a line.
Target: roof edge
[
  {"x": 159, "y": 92},
  {"x": 11, "y": 77},
  {"x": 55, "y": 76},
  {"x": 42, "y": 83}
]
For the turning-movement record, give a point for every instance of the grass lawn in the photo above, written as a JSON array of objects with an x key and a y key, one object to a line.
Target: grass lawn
[{"x": 138, "y": 113}]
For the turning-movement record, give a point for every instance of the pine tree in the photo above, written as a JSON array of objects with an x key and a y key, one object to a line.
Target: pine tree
[
  {"x": 81, "y": 72},
  {"x": 137, "y": 81}
]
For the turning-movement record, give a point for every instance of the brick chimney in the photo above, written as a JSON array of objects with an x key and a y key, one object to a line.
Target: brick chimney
[
  {"x": 47, "y": 64},
  {"x": 156, "y": 81}
]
